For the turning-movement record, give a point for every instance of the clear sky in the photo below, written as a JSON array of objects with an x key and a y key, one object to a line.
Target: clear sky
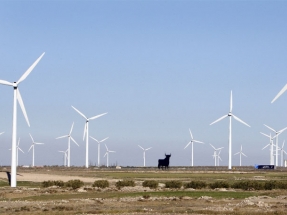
[{"x": 157, "y": 67}]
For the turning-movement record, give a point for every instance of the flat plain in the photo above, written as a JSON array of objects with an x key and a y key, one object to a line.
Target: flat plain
[{"x": 31, "y": 197}]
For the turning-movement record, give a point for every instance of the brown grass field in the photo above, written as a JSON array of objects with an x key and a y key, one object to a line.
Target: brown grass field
[{"x": 30, "y": 197}]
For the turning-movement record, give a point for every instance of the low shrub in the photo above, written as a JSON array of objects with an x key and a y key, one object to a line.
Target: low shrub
[
  {"x": 219, "y": 184},
  {"x": 125, "y": 183},
  {"x": 173, "y": 184},
  {"x": 195, "y": 184},
  {"x": 248, "y": 185},
  {"x": 101, "y": 184},
  {"x": 49, "y": 183},
  {"x": 270, "y": 185},
  {"x": 74, "y": 183},
  {"x": 281, "y": 185},
  {"x": 150, "y": 183}
]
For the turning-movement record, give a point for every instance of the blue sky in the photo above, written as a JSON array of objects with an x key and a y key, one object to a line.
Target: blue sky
[{"x": 157, "y": 67}]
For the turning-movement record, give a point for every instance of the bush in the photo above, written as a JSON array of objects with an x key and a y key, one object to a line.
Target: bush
[
  {"x": 173, "y": 184},
  {"x": 53, "y": 183},
  {"x": 219, "y": 184},
  {"x": 101, "y": 184},
  {"x": 125, "y": 183},
  {"x": 150, "y": 183},
  {"x": 248, "y": 185},
  {"x": 195, "y": 185},
  {"x": 270, "y": 185},
  {"x": 74, "y": 184},
  {"x": 281, "y": 185}
]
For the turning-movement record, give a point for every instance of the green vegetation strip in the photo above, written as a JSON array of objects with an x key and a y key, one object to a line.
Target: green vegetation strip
[{"x": 107, "y": 195}]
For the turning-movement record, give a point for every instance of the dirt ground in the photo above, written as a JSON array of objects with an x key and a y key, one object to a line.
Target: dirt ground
[{"x": 89, "y": 200}]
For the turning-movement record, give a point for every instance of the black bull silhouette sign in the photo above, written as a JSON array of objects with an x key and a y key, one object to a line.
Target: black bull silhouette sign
[{"x": 164, "y": 162}]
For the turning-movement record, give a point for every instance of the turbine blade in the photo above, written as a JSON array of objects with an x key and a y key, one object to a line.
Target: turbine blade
[
  {"x": 141, "y": 147},
  {"x": 265, "y": 146},
  {"x": 187, "y": 145},
  {"x": 212, "y": 146},
  {"x": 30, "y": 147},
  {"x": 148, "y": 148},
  {"x": 6, "y": 83},
  {"x": 39, "y": 143},
  {"x": 111, "y": 151},
  {"x": 80, "y": 113},
  {"x": 20, "y": 101},
  {"x": 74, "y": 141},
  {"x": 71, "y": 128},
  {"x": 244, "y": 154},
  {"x": 30, "y": 69},
  {"x": 269, "y": 128},
  {"x": 190, "y": 134},
  {"x": 94, "y": 139},
  {"x": 196, "y": 141},
  {"x": 20, "y": 149},
  {"x": 237, "y": 153},
  {"x": 2, "y": 132},
  {"x": 62, "y": 136},
  {"x": 94, "y": 117},
  {"x": 280, "y": 93},
  {"x": 230, "y": 110},
  {"x": 106, "y": 147},
  {"x": 105, "y": 154},
  {"x": 283, "y": 144},
  {"x": 85, "y": 130},
  {"x": 239, "y": 120},
  {"x": 31, "y": 138},
  {"x": 219, "y": 119},
  {"x": 265, "y": 134},
  {"x": 104, "y": 139},
  {"x": 279, "y": 132}
]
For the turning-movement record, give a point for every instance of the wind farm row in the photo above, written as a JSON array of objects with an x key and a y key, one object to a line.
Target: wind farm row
[{"x": 67, "y": 153}]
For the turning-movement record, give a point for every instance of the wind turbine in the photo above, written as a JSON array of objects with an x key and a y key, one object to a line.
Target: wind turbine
[
  {"x": 240, "y": 153},
  {"x": 86, "y": 132},
  {"x": 33, "y": 146},
  {"x": 65, "y": 156},
  {"x": 99, "y": 142},
  {"x": 280, "y": 93},
  {"x": 277, "y": 133},
  {"x": 230, "y": 115},
  {"x": 17, "y": 96},
  {"x": 214, "y": 153},
  {"x": 271, "y": 147},
  {"x": 282, "y": 152},
  {"x": 18, "y": 148},
  {"x": 191, "y": 142},
  {"x": 69, "y": 143},
  {"x": 144, "y": 150},
  {"x": 107, "y": 154}
]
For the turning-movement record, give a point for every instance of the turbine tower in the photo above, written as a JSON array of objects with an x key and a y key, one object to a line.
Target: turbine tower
[
  {"x": 280, "y": 93},
  {"x": 17, "y": 151},
  {"x": 191, "y": 142},
  {"x": 277, "y": 133},
  {"x": 271, "y": 147},
  {"x": 240, "y": 153},
  {"x": 144, "y": 150},
  {"x": 86, "y": 132},
  {"x": 216, "y": 155},
  {"x": 33, "y": 146},
  {"x": 17, "y": 96},
  {"x": 230, "y": 115},
  {"x": 69, "y": 144},
  {"x": 107, "y": 154},
  {"x": 99, "y": 142},
  {"x": 282, "y": 152}
]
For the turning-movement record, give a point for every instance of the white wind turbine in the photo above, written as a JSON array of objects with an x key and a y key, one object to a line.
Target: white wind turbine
[
  {"x": 271, "y": 147},
  {"x": 69, "y": 143},
  {"x": 33, "y": 146},
  {"x": 277, "y": 133},
  {"x": 107, "y": 154},
  {"x": 282, "y": 152},
  {"x": 144, "y": 150},
  {"x": 216, "y": 156},
  {"x": 99, "y": 142},
  {"x": 191, "y": 142},
  {"x": 86, "y": 132},
  {"x": 240, "y": 153},
  {"x": 65, "y": 156},
  {"x": 17, "y": 96},
  {"x": 280, "y": 93},
  {"x": 230, "y": 115},
  {"x": 18, "y": 148}
]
